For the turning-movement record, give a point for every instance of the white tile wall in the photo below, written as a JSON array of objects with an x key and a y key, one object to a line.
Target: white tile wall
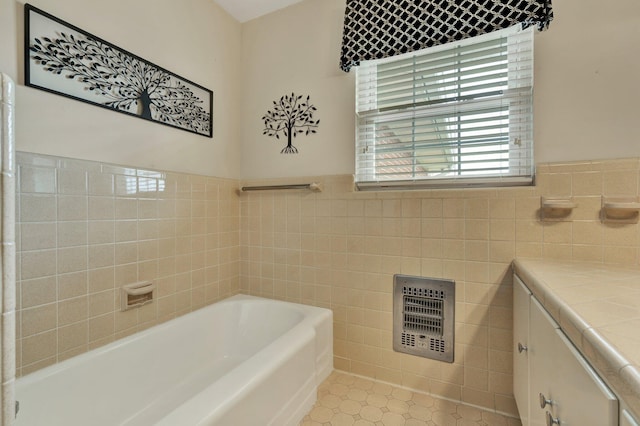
[
  {"x": 86, "y": 228},
  {"x": 8, "y": 255},
  {"x": 340, "y": 249}
]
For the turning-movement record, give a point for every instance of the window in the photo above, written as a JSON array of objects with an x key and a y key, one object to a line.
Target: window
[{"x": 460, "y": 114}]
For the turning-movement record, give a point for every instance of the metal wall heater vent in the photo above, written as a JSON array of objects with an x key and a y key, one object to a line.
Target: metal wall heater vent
[{"x": 423, "y": 316}]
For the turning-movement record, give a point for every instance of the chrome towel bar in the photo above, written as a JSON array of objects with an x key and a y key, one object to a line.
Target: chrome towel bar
[{"x": 313, "y": 186}]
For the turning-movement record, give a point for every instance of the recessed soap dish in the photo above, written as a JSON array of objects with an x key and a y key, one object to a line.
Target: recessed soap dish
[
  {"x": 620, "y": 209},
  {"x": 136, "y": 294},
  {"x": 554, "y": 208}
]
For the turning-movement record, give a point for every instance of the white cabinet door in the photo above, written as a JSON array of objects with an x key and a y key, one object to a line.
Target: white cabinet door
[
  {"x": 558, "y": 372},
  {"x": 543, "y": 366},
  {"x": 521, "y": 296}
]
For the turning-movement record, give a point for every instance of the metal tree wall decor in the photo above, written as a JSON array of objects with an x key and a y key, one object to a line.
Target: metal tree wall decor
[
  {"x": 63, "y": 59},
  {"x": 290, "y": 116}
]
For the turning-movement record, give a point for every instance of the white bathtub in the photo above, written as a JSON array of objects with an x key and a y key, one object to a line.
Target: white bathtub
[{"x": 242, "y": 361}]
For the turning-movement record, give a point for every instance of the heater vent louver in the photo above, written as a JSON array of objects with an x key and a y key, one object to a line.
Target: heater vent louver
[
  {"x": 408, "y": 339},
  {"x": 424, "y": 316}
]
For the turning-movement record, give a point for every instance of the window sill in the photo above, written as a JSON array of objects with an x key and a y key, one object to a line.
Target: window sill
[{"x": 456, "y": 183}]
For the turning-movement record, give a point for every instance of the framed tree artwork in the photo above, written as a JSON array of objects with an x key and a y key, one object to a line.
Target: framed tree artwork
[
  {"x": 290, "y": 116},
  {"x": 63, "y": 59}
]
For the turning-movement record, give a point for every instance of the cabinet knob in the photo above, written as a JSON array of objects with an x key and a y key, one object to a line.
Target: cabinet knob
[
  {"x": 544, "y": 401},
  {"x": 521, "y": 348},
  {"x": 552, "y": 420}
]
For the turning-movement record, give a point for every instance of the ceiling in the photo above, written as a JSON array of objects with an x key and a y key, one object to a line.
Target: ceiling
[{"x": 245, "y": 10}]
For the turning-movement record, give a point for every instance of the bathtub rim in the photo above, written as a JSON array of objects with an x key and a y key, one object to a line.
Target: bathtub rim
[
  {"x": 67, "y": 363},
  {"x": 311, "y": 317}
]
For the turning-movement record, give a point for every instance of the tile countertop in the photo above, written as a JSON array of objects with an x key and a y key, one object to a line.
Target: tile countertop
[{"x": 598, "y": 308}]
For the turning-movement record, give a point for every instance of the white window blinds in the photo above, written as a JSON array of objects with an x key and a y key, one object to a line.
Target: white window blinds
[{"x": 460, "y": 114}]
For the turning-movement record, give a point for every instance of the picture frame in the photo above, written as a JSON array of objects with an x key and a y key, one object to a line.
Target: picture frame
[{"x": 63, "y": 59}]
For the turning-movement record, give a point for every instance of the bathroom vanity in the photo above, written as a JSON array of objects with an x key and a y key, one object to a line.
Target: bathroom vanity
[{"x": 576, "y": 343}]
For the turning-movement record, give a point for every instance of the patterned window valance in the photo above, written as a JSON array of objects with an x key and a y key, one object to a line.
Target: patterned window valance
[{"x": 375, "y": 29}]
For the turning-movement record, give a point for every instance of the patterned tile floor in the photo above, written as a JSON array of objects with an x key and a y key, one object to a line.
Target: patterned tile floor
[{"x": 346, "y": 400}]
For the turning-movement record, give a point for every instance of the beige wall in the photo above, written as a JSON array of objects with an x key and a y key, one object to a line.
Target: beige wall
[
  {"x": 9, "y": 23},
  {"x": 297, "y": 50},
  {"x": 85, "y": 229},
  {"x": 586, "y": 82},
  {"x": 195, "y": 39},
  {"x": 340, "y": 249},
  {"x": 586, "y": 86}
]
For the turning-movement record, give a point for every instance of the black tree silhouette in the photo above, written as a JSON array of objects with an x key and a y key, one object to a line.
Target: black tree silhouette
[
  {"x": 124, "y": 82},
  {"x": 291, "y": 116}
]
